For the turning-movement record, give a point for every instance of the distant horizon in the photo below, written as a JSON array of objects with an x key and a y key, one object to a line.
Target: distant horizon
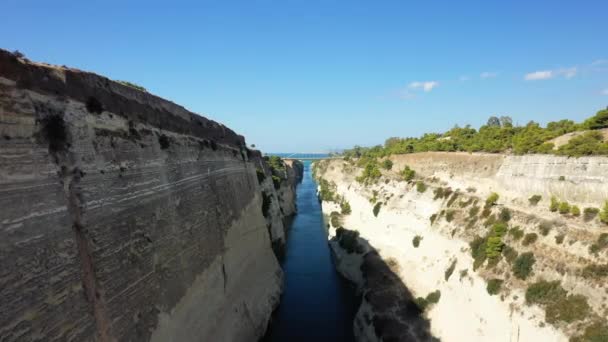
[{"x": 320, "y": 76}]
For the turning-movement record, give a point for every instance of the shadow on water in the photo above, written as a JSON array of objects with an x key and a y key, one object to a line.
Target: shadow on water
[{"x": 317, "y": 303}]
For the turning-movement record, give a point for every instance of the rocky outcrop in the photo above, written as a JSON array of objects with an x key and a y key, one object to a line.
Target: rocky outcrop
[
  {"x": 125, "y": 216},
  {"x": 429, "y": 232}
]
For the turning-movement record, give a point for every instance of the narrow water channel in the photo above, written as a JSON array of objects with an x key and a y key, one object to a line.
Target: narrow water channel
[{"x": 317, "y": 304}]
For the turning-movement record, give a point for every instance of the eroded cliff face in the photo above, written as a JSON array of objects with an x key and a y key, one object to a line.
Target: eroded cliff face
[
  {"x": 127, "y": 217},
  {"x": 427, "y": 237}
]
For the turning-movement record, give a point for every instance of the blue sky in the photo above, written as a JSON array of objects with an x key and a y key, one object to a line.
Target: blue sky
[{"x": 310, "y": 76}]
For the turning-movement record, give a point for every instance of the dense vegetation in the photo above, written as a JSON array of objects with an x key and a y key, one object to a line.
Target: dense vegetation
[{"x": 500, "y": 135}]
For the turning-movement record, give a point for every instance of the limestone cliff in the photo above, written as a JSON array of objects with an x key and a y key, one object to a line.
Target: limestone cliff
[
  {"x": 127, "y": 217},
  {"x": 490, "y": 263}
]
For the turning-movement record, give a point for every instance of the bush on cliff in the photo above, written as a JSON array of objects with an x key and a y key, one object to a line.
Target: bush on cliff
[
  {"x": 523, "y": 264},
  {"x": 408, "y": 174},
  {"x": 534, "y": 199},
  {"x": 498, "y": 135},
  {"x": 345, "y": 208},
  {"x": 494, "y": 286},
  {"x": 604, "y": 213},
  {"x": 371, "y": 173},
  {"x": 416, "y": 241},
  {"x": 376, "y": 209},
  {"x": 387, "y": 164},
  {"x": 492, "y": 199},
  {"x": 590, "y": 213},
  {"x": 421, "y": 187}
]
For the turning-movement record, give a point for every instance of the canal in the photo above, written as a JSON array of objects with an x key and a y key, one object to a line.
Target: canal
[{"x": 317, "y": 304}]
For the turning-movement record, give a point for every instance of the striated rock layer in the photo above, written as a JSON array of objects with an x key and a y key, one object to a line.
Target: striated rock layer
[
  {"x": 126, "y": 217},
  {"x": 423, "y": 232}
]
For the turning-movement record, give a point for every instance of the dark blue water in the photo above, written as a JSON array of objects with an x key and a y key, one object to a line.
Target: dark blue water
[{"x": 317, "y": 304}]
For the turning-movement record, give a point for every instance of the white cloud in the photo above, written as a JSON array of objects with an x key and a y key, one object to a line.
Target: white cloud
[
  {"x": 426, "y": 86},
  {"x": 464, "y": 78},
  {"x": 605, "y": 92},
  {"x": 567, "y": 73},
  {"x": 539, "y": 75},
  {"x": 488, "y": 74}
]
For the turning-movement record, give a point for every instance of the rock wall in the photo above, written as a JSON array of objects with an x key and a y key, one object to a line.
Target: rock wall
[
  {"x": 125, "y": 216},
  {"x": 447, "y": 224},
  {"x": 581, "y": 180}
]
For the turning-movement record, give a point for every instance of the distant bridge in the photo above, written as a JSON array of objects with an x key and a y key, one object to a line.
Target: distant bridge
[{"x": 302, "y": 156}]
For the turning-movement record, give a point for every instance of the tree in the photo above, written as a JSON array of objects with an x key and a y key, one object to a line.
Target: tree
[
  {"x": 600, "y": 120},
  {"x": 506, "y": 121},
  {"x": 493, "y": 122}
]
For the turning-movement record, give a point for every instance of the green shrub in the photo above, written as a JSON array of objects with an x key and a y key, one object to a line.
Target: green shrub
[
  {"x": 535, "y": 199},
  {"x": 529, "y": 239},
  {"x": 492, "y": 199},
  {"x": 416, "y": 241},
  {"x": 561, "y": 178},
  {"x": 604, "y": 213},
  {"x": 453, "y": 198},
  {"x": 559, "y": 239},
  {"x": 408, "y": 174},
  {"x": 387, "y": 164},
  {"x": 601, "y": 243},
  {"x": 516, "y": 233},
  {"x": 450, "y": 270},
  {"x": 505, "y": 215},
  {"x": 596, "y": 332},
  {"x": 326, "y": 191},
  {"x": 569, "y": 309},
  {"x": 438, "y": 193},
  {"x": 276, "y": 181},
  {"x": 420, "y": 186},
  {"x": 433, "y": 218},
  {"x": 371, "y": 173},
  {"x": 554, "y": 204},
  {"x": 564, "y": 208},
  {"x": 494, "y": 240},
  {"x": 575, "y": 211},
  {"x": 345, "y": 208},
  {"x": 590, "y": 213},
  {"x": 473, "y": 211},
  {"x": 586, "y": 144},
  {"x": 433, "y": 297},
  {"x": 449, "y": 216},
  {"x": 545, "y": 292},
  {"x": 595, "y": 271},
  {"x": 494, "y": 286},
  {"x": 132, "y": 85},
  {"x": 523, "y": 264},
  {"x": 478, "y": 251},
  {"x": 376, "y": 209}
]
